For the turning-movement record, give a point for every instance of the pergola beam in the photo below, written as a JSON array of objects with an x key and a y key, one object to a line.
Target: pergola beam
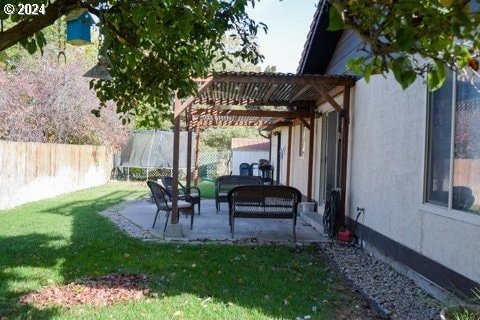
[
  {"x": 248, "y": 101},
  {"x": 329, "y": 99},
  {"x": 281, "y": 124},
  {"x": 188, "y": 103},
  {"x": 305, "y": 123},
  {"x": 315, "y": 80},
  {"x": 250, "y": 113},
  {"x": 229, "y": 123}
]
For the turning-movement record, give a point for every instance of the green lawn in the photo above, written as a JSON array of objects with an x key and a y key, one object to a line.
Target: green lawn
[
  {"x": 207, "y": 189},
  {"x": 58, "y": 240}
]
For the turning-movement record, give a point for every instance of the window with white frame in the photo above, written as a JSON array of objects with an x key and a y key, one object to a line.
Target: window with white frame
[{"x": 453, "y": 144}]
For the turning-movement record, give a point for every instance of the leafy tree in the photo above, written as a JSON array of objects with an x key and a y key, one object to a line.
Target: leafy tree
[
  {"x": 42, "y": 100},
  {"x": 411, "y": 37},
  {"x": 221, "y": 138},
  {"x": 227, "y": 60},
  {"x": 155, "y": 47}
]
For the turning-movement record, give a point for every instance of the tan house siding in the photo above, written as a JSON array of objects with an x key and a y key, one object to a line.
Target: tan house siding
[
  {"x": 386, "y": 178},
  {"x": 284, "y": 147},
  {"x": 299, "y": 165}
]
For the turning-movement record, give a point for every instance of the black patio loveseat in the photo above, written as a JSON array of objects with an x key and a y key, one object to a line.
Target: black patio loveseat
[
  {"x": 274, "y": 202},
  {"x": 224, "y": 184}
]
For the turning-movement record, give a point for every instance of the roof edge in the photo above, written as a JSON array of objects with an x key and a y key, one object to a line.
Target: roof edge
[
  {"x": 313, "y": 27},
  {"x": 321, "y": 43}
]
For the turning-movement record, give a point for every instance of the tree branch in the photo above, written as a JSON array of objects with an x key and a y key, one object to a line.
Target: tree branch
[
  {"x": 28, "y": 27},
  {"x": 128, "y": 38},
  {"x": 376, "y": 45}
]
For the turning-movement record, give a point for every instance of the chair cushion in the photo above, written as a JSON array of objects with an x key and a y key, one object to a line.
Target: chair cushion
[
  {"x": 223, "y": 194},
  {"x": 181, "y": 204}
]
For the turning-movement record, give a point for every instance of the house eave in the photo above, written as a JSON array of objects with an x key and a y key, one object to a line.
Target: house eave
[{"x": 321, "y": 43}]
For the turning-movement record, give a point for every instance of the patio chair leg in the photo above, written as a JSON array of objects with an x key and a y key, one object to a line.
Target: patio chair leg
[
  {"x": 155, "y": 220},
  {"x": 199, "y": 208},
  {"x": 166, "y": 221},
  {"x": 191, "y": 221},
  {"x": 232, "y": 227},
  {"x": 294, "y": 232}
]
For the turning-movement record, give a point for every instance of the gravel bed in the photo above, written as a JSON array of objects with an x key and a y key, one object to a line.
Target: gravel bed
[
  {"x": 126, "y": 225},
  {"x": 395, "y": 295}
]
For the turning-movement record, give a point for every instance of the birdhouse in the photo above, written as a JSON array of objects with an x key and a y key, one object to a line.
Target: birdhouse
[{"x": 79, "y": 24}]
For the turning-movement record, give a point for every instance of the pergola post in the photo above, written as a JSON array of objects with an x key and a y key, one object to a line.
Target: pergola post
[
  {"x": 311, "y": 144},
  {"x": 189, "y": 152},
  {"x": 270, "y": 149},
  {"x": 176, "y": 151},
  {"x": 344, "y": 156},
  {"x": 289, "y": 153},
  {"x": 197, "y": 160}
]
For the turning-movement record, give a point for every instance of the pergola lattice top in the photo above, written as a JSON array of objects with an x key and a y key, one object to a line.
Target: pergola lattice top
[
  {"x": 211, "y": 117},
  {"x": 273, "y": 89},
  {"x": 220, "y": 94}
]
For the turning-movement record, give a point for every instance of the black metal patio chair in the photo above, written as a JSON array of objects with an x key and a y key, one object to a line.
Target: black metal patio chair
[
  {"x": 191, "y": 194},
  {"x": 164, "y": 203}
]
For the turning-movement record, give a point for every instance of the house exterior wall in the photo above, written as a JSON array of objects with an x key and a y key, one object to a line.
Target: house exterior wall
[
  {"x": 386, "y": 169},
  {"x": 385, "y": 176},
  {"x": 284, "y": 147},
  {"x": 299, "y": 164}
]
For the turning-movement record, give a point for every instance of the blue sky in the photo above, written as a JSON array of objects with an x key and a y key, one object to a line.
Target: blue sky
[{"x": 288, "y": 24}]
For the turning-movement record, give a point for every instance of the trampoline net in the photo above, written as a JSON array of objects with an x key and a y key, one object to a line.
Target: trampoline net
[{"x": 154, "y": 149}]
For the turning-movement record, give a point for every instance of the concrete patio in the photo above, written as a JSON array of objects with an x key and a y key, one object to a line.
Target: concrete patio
[{"x": 136, "y": 218}]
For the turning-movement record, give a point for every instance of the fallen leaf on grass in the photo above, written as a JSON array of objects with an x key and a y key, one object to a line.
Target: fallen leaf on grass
[{"x": 104, "y": 290}]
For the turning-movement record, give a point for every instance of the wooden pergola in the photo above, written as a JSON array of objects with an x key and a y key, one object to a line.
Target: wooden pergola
[{"x": 239, "y": 99}]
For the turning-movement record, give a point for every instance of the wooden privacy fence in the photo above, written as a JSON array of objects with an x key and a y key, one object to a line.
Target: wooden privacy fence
[{"x": 33, "y": 171}]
